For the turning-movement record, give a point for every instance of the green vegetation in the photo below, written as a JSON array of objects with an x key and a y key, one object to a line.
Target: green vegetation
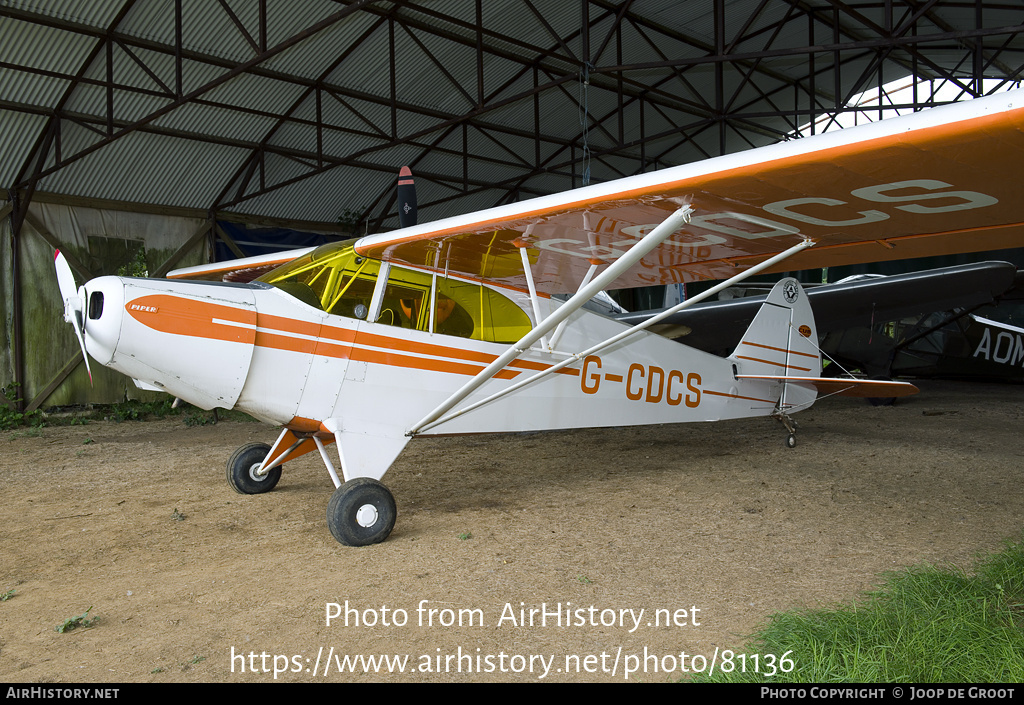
[
  {"x": 81, "y": 620},
  {"x": 129, "y": 410},
  {"x": 132, "y": 410},
  {"x": 923, "y": 625},
  {"x": 350, "y": 220},
  {"x": 198, "y": 418},
  {"x": 136, "y": 266},
  {"x": 4, "y": 597},
  {"x": 10, "y": 417}
]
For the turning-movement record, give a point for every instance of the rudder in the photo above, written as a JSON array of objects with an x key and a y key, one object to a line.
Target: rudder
[{"x": 781, "y": 342}]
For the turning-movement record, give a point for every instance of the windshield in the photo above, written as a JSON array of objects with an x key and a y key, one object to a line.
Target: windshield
[
  {"x": 335, "y": 279},
  {"x": 332, "y": 278}
]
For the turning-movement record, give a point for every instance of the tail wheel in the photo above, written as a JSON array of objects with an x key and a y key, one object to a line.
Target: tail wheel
[
  {"x": 361, "y": 512},
  {"x": 242, "y": 467}
]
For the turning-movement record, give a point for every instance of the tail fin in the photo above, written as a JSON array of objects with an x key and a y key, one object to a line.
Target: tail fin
[{"x": 782, "y": 343}]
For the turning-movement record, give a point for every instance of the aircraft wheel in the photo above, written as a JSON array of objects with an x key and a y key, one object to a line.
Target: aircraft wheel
[
  {"x": 791, "y": 440},
  {"x": 242, "y": 467},
  {"x": 361, "y": 512},
  {"x": 881, "y": 401}
]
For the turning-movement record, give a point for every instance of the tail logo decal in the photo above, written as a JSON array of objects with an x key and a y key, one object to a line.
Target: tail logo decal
[{"x": 791, "y": 291}]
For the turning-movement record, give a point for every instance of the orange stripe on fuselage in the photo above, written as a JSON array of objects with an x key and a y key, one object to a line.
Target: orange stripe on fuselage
[
  {"x": 273, "y": 341},
  {"x": 541, "y": 366},
  {"x": 410, "y": 346},
  {"x": 783, "y": 350},
  {"x": 177, "y": 315},
  {"x": 423, "y": 363},
  {"x": 737, "y": 396},
  {"x": 774, "y": 364}
]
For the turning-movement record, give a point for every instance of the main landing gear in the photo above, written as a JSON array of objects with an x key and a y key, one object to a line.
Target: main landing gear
[
  {"x": 243, "y": 470},
  {"x": 361, "y": 511}
]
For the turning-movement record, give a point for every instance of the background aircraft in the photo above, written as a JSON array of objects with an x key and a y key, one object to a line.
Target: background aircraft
[
  {"x": 972, "y": 338},
  {"x": 856, "y": 317}
]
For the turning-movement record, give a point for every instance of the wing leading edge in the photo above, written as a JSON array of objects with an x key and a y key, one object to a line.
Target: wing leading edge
[{"x": 941, "y": 181}]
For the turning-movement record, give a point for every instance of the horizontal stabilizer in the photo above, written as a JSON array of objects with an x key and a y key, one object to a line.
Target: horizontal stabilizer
[{"x": 847, "y": 387}]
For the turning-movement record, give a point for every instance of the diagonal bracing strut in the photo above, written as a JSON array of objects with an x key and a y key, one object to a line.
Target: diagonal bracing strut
[
  {"x": 662, "y": 232},
  {"x": 575, "y": 357}
]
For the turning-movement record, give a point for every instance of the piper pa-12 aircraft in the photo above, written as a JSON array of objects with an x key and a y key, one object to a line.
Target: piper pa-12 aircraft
[{"x": 452, "y": 327}]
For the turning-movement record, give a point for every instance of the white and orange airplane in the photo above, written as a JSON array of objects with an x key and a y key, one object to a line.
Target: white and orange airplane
[{"x": 452, "y": 327}]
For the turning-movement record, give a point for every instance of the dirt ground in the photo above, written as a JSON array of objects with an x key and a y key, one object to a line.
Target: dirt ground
[{"x": 709, "y": 527}]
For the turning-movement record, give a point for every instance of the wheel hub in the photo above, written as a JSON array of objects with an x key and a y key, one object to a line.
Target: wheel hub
[
  {"x": 366, "y": 515},
  {"x": 254, "y": 473}
]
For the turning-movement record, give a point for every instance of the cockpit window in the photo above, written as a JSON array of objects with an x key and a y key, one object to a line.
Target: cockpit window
[
  {"x": 406, "y": 299},
  {"x": 337, "y": 280},
  {"x": 471, "y": 310},
  {"x": 333, "y": 279}
]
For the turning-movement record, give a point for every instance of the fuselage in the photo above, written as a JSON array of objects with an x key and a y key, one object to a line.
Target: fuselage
[{"x": 374, "y": 347}]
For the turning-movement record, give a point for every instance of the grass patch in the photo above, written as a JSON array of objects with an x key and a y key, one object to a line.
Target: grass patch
[
  {"x": 925, "y": 624},
  {"x": 129, "y": 410},
  {"x": 133, "y": 410},
  {"x": 10, "y": 417},
  {"x": 81, "y": 620}
]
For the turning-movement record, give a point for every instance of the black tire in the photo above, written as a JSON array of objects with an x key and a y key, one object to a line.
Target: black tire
[
  {"x": 881, "y": 401},
  {"x": 242, "y": 465},
  {"x": 791, "y": 440},
  {"x": 361, "y": 512}
]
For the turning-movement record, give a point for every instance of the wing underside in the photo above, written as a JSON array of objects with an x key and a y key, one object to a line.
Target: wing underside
[{"x": 941, "y": 181}]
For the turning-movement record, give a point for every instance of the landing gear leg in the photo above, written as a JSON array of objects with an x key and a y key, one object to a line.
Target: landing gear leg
[{"x": 791, "y": 426}]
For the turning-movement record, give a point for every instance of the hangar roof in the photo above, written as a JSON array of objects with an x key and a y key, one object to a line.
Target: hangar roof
[{"x": 306, "y": 109}]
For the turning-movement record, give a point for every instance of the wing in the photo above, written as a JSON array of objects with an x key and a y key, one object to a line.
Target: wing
[
  {"x": 238, "y": 270},
  {"x": 941, "y": 181}
]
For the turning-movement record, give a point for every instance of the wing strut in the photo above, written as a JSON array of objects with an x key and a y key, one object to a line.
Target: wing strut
[
  {"x": 424, "y": 425},
  {"x": 665, "y": 230},
  {"x": 561, "y": 326},
  {"x": 534, "y": 302}
]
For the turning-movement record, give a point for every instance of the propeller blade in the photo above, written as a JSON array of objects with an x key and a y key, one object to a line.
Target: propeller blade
[
  {"x": 73, "y": 304},
  {"x": 66, "y": 282},
  {"x": 406, "y": 198}
]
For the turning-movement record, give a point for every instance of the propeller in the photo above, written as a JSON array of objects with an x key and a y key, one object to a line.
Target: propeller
[
  {"x": 406, "y": 198},
  {"x": 73, "y": 304}
]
